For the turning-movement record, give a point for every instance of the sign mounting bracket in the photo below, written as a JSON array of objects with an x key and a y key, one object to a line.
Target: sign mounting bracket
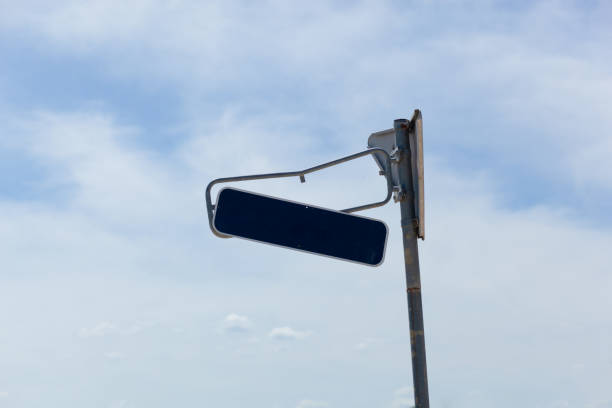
[{"x": 379, "y": 154}]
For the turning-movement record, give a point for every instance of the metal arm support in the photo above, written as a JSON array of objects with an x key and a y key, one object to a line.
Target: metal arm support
[{"x": 210, "y": 207}]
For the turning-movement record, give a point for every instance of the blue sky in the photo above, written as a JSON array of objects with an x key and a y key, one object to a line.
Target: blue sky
[{"x": 114, "y": 117}]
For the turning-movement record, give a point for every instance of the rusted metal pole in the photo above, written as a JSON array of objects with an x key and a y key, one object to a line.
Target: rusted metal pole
[{"x": 411, "y": 261}]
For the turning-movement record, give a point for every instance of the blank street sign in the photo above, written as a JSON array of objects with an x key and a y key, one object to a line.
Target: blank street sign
[{"x": 300, "y": 226}]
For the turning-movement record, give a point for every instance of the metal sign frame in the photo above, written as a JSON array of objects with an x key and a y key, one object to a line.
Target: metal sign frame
[{"x": 210, "y": 207}]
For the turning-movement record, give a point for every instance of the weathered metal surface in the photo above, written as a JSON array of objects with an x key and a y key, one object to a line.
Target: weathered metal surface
[
  {"x": 415, "y": 135},
  {"x": 411, "y": 262},
  {"x": 385, "y": 139},
  {"x": 417, "y": 346}
]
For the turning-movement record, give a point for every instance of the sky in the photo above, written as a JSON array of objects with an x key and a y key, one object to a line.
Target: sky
[{"x": 114, "y": 116}]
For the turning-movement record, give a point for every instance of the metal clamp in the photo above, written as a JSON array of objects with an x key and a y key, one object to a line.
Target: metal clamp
[
  {"x": 210, "y": 207},
  {"x": 398, "y": 194},
  {"x": 396, "y": 155}
]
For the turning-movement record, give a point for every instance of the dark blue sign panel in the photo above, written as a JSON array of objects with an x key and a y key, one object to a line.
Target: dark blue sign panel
[{"x": 300, "y": 226}]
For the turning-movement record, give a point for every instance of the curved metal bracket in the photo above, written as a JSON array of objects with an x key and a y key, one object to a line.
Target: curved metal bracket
[{"x": 210, "y": 207}]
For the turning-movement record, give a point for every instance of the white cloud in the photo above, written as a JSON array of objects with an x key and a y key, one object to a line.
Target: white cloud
[
  {"x": 469, "y": 236},
  {"x": 204, "y": 34},
  {"x": 4, "y": 394},
  {"x": 237, "y": 323},
  {"x": 88, "y": 152},
  {"x": 518, "y": 68},
  {"x": 287, "y": 333}
]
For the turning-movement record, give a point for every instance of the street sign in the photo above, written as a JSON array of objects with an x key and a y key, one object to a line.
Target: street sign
[
  {"x": 339, "y": 234},
  {"x": 300, "y": 226}
]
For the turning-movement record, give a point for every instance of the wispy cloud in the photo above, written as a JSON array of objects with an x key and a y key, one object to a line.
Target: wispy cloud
[
  {"x": 237, "y": 323},
  {"x": 107, "y": 328},
  {"x": 287, "y": 333}
]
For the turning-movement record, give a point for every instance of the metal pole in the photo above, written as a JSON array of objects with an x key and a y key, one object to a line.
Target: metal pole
[{"x": 411, "y": 262}]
